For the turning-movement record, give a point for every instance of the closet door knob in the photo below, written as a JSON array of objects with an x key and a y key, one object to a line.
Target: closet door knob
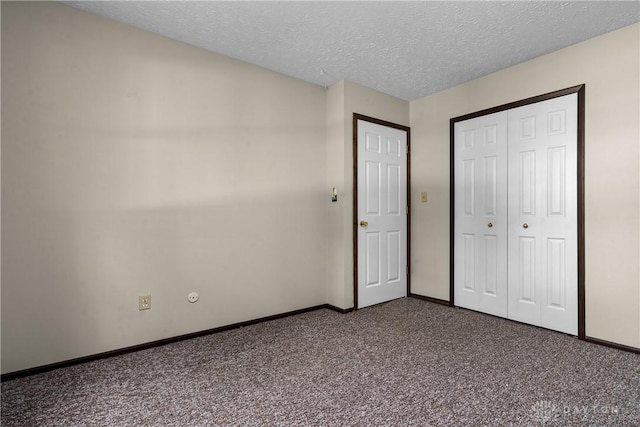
[
  {"x": 525, "y": 225},
  {"x": 490, "y": 225}
]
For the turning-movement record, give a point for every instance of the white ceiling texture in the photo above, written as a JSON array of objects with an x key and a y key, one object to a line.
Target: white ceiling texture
[{"x": 405, "y": 49}]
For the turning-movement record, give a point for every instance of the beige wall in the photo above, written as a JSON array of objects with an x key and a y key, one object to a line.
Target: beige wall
[
  {"x": 135, "y": 164},
  {"x": 337, "y": 240},
  {"x": 343, "y": 99},
  {"x": 609, "y": 66}
]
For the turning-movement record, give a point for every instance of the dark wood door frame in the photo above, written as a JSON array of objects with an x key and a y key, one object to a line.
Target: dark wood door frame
[
  {"x": 580, "y": 90},
  {"x": 407, "y": 129}
]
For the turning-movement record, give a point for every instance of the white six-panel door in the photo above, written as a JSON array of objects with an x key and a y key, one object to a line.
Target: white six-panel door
[
  {"x": 515, "y": 216},
  {"x": 543, "y": 212},
  {"x": 382, "y": 216},
  {"x": 481, "y": 219}
]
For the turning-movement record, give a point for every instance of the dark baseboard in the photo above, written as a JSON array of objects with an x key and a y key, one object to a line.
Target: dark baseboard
[
  {"x": 338, "y": 309},
  {"x": 433, "y": 300},
  {"x": 66, "y": 363},
  {"x": 612, "y": 345}
]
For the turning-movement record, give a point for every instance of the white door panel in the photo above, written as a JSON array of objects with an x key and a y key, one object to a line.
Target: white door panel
[
  {"x": 382, "y": 201},
  {"x": 481, "y": 225},
  {"x": 543, "y": 214},
  {"x": 515, "y": 218}
]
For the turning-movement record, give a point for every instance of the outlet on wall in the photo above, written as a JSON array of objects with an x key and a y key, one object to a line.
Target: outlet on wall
[{"x": 144, "y": 302}]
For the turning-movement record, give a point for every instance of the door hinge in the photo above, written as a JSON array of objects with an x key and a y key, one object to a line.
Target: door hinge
[
  {"x": 406, "y": 210},
  {"x": 407, "y": 148},
  {"x": 406, "y": 269}
]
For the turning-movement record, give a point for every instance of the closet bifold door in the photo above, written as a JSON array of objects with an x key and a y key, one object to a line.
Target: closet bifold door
[
  {"x": 542, "y": 205},
  {"x": 515, "y": 226},
  {"x": 480, "y": 239}
]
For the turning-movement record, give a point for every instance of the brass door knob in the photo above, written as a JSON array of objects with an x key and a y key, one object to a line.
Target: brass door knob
[
  {"x": 490, "y": 225},
  {"x": 525, "y": 225},
  {"x": 364, "y": 223}
]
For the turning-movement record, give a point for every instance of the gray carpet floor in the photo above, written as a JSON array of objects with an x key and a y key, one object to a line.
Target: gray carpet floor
[{"x": 407, "y": 362}]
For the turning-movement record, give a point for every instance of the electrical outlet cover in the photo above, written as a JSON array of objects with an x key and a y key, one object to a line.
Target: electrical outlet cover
[{"x": 144, "y": 302}]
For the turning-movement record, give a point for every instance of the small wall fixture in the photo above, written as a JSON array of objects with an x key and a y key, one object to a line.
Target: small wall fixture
[{"x": 334, "y": 194}]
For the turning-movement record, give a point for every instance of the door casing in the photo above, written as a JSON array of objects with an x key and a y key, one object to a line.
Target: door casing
[
  {"x": 357, "y": 117},
  {"x": 580, "y": 90}
]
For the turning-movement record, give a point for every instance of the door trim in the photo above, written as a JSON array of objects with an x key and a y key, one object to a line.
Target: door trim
[
  {"x": 354, "y": 225},
  {"x": 580, "y": 90}
]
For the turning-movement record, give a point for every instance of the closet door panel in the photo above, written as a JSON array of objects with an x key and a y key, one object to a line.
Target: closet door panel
[
  {"x": 543, "y": 213},
  {"x": 480, "y": 217}
]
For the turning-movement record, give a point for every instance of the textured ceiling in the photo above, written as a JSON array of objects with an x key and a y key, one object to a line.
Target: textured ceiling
[{"x": 405, "y": 49}]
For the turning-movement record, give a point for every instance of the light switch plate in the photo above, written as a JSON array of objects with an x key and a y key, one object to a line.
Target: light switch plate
[{"x": 423, "y": 197}]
